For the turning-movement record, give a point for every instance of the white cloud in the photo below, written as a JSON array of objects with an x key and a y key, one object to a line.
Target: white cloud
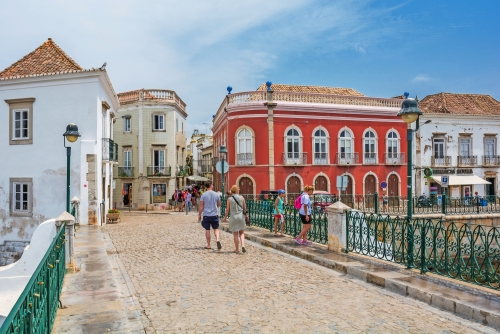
[
  {"x": 196, "y": 48},
  {"x": 422, "y": 78}
]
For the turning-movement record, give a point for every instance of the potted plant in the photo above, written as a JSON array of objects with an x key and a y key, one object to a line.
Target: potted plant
[{"x": 113, "y": 215}]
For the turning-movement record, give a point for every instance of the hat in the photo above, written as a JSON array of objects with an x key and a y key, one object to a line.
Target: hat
[{"x": 281, "y": 191}]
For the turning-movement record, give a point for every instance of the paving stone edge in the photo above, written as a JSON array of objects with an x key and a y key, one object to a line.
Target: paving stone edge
[{"x": 453, "y": 305}]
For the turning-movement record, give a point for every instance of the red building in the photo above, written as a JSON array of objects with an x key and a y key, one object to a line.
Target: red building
[{"x": 291, "y": 136}]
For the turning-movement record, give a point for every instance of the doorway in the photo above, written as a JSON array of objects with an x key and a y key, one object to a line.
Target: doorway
[
  {"x": 127, "y": 194},
  {"x": 346, "y": 196},
  {"x": 370, "y": 188},
  {"x": 293, "y": 185},
  {"x": 490, "y": 188},
  {"x": 320, "y": 183},
  {"x": 246, "y": 187}
]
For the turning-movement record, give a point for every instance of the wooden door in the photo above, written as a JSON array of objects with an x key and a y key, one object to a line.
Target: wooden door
[
  {"x": 393, "y": 186},
  {"x": 293, "y": 185},
  {"x": 246, "y": 187},
  {"x": 370, "y": 188},
  {"x": 347, "y": 195},
  {"x": 320, "y": 183}
]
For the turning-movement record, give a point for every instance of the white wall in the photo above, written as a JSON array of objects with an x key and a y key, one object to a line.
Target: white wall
[
  {"x": 453, "y": 126},
  {"x": 60, "y": 100}
]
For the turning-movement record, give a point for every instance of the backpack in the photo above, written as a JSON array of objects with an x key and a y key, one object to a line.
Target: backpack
[{"x": 298, "y": 202}]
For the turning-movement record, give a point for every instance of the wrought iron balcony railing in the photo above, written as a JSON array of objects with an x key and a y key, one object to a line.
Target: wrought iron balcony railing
[
  {"x": 491, "y": 160},
  {"x": 125, "y": 171},
  {"x": 245, "y": 159},
  {"x": 370, "y": 158},
  {"x": 347, "y": 158},
  {"x": 394, "y": 158},
  {"x": 320, "y": 159},
  {"x": 441, "y": 161},
  {"x": 293, "y": 158},
  {"x": 109, "y": 150},
  {"x": 182, "y": 171},
  {"x": 467, "y": 161},
  {"x": 159, "y": 171}
]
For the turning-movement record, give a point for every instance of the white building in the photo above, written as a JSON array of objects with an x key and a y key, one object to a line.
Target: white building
[
  {"x": 461, "y": 141},
  {"x": 41, "y": 94},
  {"x": 151, "y": 130}
]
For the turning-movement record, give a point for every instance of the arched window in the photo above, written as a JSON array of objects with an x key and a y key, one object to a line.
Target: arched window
[
  {"x": 293, "y": 156},
  {"x": 244, "y": 147},
  {"x": 346, "y": 155},
  {"x": 370, "y": 146},
  {"x": 320, "y": 148},
  {"x": 392, "y": 143}
]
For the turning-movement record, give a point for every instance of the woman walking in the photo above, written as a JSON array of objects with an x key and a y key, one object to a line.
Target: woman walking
[
  {"x": 237, "y": 207},
  {"x": 278, "y": 213},
  {"x": 305, "y": 215}
]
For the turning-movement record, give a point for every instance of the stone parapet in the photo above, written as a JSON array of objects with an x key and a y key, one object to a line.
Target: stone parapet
[{"x": 11, "y": 251}]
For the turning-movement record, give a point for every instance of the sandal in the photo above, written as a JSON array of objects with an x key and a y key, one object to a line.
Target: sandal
[
  {"x": 243, "y": 249},
  {"x": 207, "y": 247},
  {"x": 219, "y": 246},
  {"x": 276, "y": 235}
]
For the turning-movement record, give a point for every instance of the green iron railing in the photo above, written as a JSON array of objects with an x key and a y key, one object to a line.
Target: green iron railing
[
  {"x": 36, "y": 308},
  {"x": 261, "y": 215},
  {"x": 469, "y": 253}
]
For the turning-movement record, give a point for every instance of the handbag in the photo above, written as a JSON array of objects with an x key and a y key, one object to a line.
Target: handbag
[{"x": 247, "y": 219}]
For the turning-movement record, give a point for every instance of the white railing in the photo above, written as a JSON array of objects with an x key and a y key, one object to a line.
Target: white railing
[
  {"x": 335, "y": 99},
  {"x": 152, "y": 95}
]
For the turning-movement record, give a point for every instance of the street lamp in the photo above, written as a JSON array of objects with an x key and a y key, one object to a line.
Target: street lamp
[
  {"x": 223, "y": 152},
  {"x": 71, "y": 135}
]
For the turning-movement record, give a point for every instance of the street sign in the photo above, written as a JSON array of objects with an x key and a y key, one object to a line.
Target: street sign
[
  {"x": 383, "y": 184},
  {"x": 342, "y": 182},
  {"x": 444, "y": 181},
  {"x": 218, "y": 166}
]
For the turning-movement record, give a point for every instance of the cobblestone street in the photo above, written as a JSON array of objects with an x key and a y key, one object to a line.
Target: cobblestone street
[{"x": 183, "y": 288}]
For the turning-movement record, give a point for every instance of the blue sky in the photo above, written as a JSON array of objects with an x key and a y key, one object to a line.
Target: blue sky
[{"x": 198, "y": 48}]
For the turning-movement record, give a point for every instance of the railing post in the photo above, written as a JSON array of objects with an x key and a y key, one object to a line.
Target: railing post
[
  {"x": 375, "y": 197},
  {"x": 443, "y": 203},
  {"x": 422, "y": 247}
]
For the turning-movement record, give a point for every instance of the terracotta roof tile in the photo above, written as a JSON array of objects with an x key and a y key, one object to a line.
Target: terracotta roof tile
[
  {"x": 312, "y": 89},
  {"x": 48, "y": 58},
  {"x": 460, "y": 104}
]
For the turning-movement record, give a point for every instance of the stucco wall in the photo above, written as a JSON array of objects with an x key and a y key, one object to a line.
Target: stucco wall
[{"x": 60, "y": 100}]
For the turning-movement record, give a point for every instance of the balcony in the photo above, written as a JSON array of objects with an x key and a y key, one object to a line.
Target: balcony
[
  {"x": 152, "y": 96},
  {"x": 320, "y": 159},
  {"x": 245, "y": 159},
  {"x": 159, "y": 171},
  {"x": 294, "y": 159},
  {"x": 125, "y": 172},
  {"x": 441, "y": 161},
  {"x": 491, "y": 160},
  {"x": 182, "y": 171},
  {"x": 394, "y": 158},
  {"x": 467, "y": 161},
  {"x": 370, "y": 158},
  {"x": 109, "y": 150},
  {"x": 347, "y": 158}
]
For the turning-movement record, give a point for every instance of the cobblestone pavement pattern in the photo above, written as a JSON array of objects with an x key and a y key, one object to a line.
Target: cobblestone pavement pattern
[{"x": 184, "y": 288}]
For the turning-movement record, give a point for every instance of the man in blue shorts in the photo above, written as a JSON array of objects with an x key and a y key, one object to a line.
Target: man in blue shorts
[{"x": 209, "y": 204}]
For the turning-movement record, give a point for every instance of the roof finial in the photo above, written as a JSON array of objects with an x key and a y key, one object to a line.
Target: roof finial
[
  {"x": 229, "y": 89},
  {"x": 50, "y": 39},
  {"x": 416, "y": 98},
  {"x": 268, "y": 84},
  {"x": 406, "y": 94}
]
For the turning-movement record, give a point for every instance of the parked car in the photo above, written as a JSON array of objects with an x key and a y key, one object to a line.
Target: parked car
[{"x": 322, "y": 199}]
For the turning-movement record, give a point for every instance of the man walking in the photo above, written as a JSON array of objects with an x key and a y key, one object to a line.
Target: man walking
[{"x": 209, "y": 204}]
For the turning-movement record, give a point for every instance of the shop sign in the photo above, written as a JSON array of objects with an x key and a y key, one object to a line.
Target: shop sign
[
  {"x": 464, "y": 171},
  {"x": 444, "y": 171}
]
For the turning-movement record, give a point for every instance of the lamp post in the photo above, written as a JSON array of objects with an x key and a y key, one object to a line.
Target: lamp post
[
  {"x": 71, "y": 135},
  {"x": 223, "y": 152},
  {"x": 410, "y": 113}
]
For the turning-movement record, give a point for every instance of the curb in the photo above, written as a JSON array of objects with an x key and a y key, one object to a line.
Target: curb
[{"x": 470, "y": 303}]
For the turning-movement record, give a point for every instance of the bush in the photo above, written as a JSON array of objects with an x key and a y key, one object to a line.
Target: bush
[{"x": 113, "y": 211}]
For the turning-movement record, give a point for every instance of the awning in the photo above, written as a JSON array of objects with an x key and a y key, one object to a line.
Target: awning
[
  {"x": 197, "y": 178},
  {"x": 462, "y": 180}
]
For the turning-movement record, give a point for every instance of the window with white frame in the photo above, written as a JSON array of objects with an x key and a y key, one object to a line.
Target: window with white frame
[
  {"x": 21, "y": 196},
  {"x": 244, "y": 147},
  {"x": 490, "y": 149},
  {"x": 320, "y": 147},
  {"x": 465, "y": 147},
  {"x": 21, "y": 124},
  {"x": 392, "y": 145},
  {"x": 127, "y": 126},
  {"x": 159, "y": 161},
  {"x": 439, "y": 148},
  {"x": 158, "y": 122},
  {"x": 293, "y": 154},
  {"x": 370, "y": 148},
  {"x": 346, "y": 147}
]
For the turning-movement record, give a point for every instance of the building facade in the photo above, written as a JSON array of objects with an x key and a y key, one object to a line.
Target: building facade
[
  {"x": 151, "y": 130},
  {"x": 461, "y": 142},
  {"x": 41, "y": 94},
  {"x": 290, "y": 136}
]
